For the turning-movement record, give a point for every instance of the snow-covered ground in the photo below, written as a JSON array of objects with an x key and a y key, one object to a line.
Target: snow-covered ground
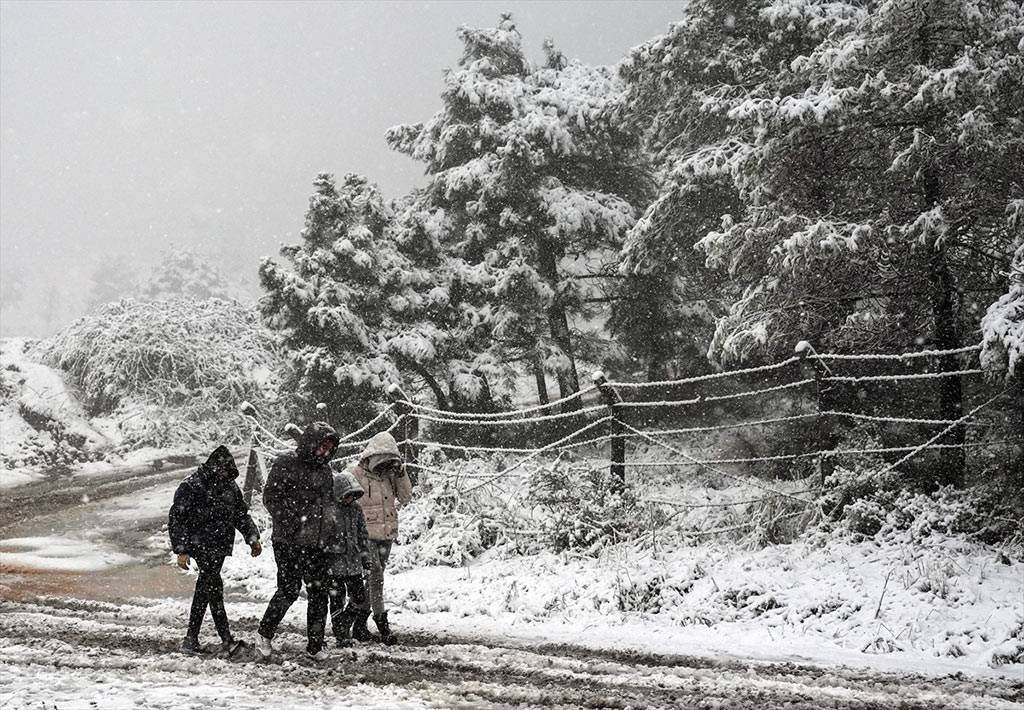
[
  {"x": 45, "y": 430},
  {"x": 93, "y": 610}
]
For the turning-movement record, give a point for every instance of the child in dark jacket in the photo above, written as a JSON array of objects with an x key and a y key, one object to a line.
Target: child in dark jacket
[
  {"x": 207, "y": 509},
  {"x": 348, "y": 557}
]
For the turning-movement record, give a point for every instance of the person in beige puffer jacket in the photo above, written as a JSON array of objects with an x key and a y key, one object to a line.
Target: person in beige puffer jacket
[{"x": 386, "y": 486}]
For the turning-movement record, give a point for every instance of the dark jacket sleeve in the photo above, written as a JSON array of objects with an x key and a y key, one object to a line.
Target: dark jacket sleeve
[
  {"x": 275, "y": 496},
  {"x": 363, "y": 535},
  {"x": 178, "y": 517},
  {"x": 243, "y": 522}
]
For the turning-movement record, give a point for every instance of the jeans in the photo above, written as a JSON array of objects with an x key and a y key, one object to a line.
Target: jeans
[
  {"x": 379, "y": 552},
  {"x": 209, "y": 593},
  {"x": 295, "y": 566}
]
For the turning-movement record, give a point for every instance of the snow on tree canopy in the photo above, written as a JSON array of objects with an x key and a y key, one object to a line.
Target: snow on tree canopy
[
  {"x": 531, "y": 176},
  {"x": 869, "y": 142}
]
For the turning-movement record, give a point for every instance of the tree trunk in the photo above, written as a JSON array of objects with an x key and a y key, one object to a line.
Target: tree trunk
[
  {"x": 538, "y": 375},
  {"x": 558, "y": 321},
  {"x": 432, "y": 383},
  {"x": 951, "y": 405},
  {"x": 942, "y": 299},
  {"x": 943, "y": 306}
]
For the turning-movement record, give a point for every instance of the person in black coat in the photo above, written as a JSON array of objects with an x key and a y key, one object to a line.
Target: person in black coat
[
  {"x": 298, "y": 496},
  {"x": 207, "y": 509}
]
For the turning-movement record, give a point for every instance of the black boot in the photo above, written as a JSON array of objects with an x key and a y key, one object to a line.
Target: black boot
[
  {"x": 192, "y": 647},
  {"x": 386, "y": 637},
  {"x": 359, "y": 630}
]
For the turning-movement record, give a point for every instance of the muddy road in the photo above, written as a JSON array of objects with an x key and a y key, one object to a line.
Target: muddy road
[{"x": 90, "y": 639}]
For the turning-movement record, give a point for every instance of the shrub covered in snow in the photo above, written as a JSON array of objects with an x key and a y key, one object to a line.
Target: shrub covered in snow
[
  {"x": 1003, "y": 325},
  {"x": 170, "y": 372}
]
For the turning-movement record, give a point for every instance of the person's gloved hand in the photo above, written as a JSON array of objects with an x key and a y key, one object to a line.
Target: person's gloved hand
[
  {"x": 183, "y": 561},
  {"x": 256, "y": 548}
]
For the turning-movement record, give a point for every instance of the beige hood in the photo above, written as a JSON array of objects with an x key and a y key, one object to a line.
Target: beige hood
[{"x": 381, "y": 447}]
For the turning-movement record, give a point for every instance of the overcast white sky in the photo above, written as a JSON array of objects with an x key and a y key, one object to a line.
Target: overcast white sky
[{"x": 129, "y": 126}]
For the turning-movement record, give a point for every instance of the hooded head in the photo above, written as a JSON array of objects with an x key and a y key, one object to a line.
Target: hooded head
[
  {"x": 381, "y": 449},
  {"x": 318, "y": 443},
  {"x": 221, "y": 463},
  {"x": 346, "y": 484}
]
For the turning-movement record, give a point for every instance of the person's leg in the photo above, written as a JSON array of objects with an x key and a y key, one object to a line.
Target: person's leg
[
  {"x": 289, "y": 581},
  {"x": 213, "y": 567},
  {"x": 380, "y": 550},
  {"x": 356, "y": 593},
  {"x": 315, "y": 576},
  {"x": 200, "y": 600},
  {"x": 336, "y": 601}
]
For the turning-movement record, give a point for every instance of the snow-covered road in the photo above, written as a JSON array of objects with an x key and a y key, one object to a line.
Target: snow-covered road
[
  {"x": 91, "y": 615},
  {"x": 80, "y": 654}
]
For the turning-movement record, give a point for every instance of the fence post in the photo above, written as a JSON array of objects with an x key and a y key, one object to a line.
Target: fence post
[
  {"x": 407, "y": 427},
  {"x": 613, "y": 400},
  {"x": 822, "y": 440}
]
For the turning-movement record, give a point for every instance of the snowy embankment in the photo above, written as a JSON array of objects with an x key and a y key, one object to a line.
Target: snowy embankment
[
  {"x": 43, "y": 425},
  {"x": 943, "y": 608}
]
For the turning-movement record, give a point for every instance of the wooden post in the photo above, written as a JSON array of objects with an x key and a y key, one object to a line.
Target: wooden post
[
  {"x": 813, "y": 368},
  {"x": 407, "y": 427},
  {"x": 613, "y": 400}
]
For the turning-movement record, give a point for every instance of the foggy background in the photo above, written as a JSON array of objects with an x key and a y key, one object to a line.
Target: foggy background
[{"x": 128, "y": 127}]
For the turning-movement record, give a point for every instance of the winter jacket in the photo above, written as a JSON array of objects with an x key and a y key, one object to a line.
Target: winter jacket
[
  {"x": 207, "y": 510},
  {"x": 299, "y": 491},
  {"x": 383, "y": 493},
  {"x": 348, "y": 547}
]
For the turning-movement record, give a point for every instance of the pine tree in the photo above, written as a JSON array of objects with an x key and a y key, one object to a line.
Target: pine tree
[
  {"x": 677, "y": 86},
  {"x": 887, "y": 158},
  {"x": 330, "y": 301},
  {"x": 532, "y": 178}
]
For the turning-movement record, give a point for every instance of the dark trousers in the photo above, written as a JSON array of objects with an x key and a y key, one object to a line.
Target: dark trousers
[
  {"x": 295, "y": 566},
  {"x": 353, "y": 588},
  {"x": 209, "y": 593}
]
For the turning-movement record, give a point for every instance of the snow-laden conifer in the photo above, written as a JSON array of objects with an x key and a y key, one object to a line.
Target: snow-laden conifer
[{"x": 532, "y": 178}]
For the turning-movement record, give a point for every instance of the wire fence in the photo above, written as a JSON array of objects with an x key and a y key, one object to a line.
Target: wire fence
[{"x": 801, "y": 405}]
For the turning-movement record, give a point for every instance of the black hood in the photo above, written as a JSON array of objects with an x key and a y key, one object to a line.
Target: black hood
[
  {"x": 314, "y": 435},
  {"x": 220, "y": 458}
]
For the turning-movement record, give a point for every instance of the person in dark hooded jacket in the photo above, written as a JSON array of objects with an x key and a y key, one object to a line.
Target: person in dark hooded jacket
[
  {"x": 207, "y": 509},
  {"x": 349, "y": 556},
  {"x": 298, "y": 496}
]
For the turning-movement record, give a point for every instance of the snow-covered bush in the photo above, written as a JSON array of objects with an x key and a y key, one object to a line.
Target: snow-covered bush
[
  {"x": 435, "y": 529},
  {"x": 580, "y": 507},
  {"x": 557, "y": 505},
  {"x": 170, "y": 371},
  {"x": 1002, "y": 326}
]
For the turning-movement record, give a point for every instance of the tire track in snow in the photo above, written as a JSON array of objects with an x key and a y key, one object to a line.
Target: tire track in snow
[{"x": 101, "y": 638}]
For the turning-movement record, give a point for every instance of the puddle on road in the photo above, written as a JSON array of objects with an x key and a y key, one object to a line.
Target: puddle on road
[
  {"x": 124, "y": 524},
  {"x": 152, "y": 580}
]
